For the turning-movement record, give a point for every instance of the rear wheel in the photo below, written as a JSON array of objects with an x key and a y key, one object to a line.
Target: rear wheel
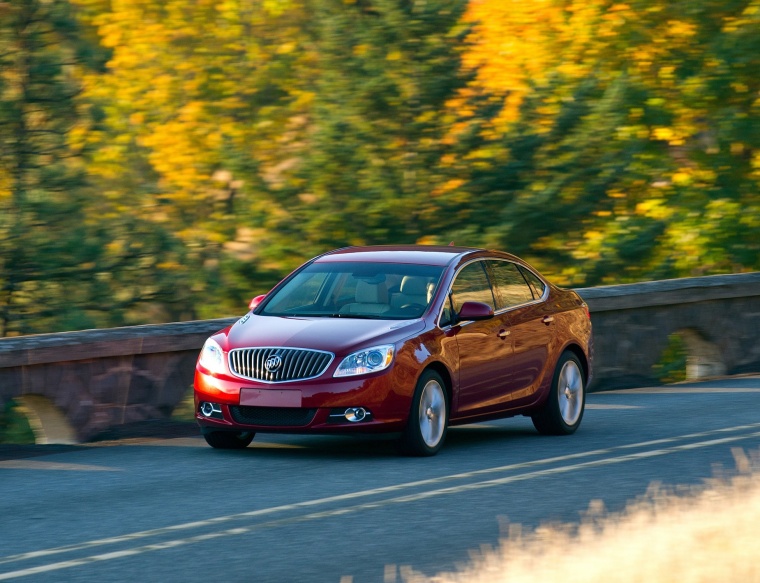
[
  {"x": 229, "y": 439},
  {"x": 563, "y": 410},
  {"x": 428, "y": 417}
]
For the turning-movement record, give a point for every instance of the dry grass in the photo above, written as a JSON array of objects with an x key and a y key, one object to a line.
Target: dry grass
[{"x": 707, "y": 534}]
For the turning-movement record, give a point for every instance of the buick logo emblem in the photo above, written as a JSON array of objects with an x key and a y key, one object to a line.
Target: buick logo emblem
[{"x": 273, "y": 363}]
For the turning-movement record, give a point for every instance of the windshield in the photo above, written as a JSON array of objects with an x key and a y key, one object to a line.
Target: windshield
[{"x": 383, "y": 291}]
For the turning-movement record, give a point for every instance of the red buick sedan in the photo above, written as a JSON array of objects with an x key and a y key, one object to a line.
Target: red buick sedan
[{"x": 406, "y": 340}]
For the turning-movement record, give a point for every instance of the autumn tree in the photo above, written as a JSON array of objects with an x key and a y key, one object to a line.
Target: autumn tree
[
  {"x": 70, "y": 259},
  {"x": 369, "y": 168},
  {"x": 263, "y": 133},
  {"x": 199, "y": 104},
  {"x": 631, "y": 152},
  {"x": 43, "y": 251}
]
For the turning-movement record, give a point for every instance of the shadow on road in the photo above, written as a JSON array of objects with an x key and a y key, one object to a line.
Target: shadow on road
[
  {"x": 382, "y": 446},
  {"x": 280, "y": 445}
]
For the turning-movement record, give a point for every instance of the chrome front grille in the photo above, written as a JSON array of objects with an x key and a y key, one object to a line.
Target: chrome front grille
[{"x": 293, "y": 364}]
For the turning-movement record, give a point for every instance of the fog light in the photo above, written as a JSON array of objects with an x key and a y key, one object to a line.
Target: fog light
[
  {"x": 355, "y": 414},
  {"x": 349, "y": 414},
  {"x": 211, "y": 410}
]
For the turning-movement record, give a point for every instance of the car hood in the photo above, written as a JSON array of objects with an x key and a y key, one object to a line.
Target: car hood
[{"x": 338, "y": 335}]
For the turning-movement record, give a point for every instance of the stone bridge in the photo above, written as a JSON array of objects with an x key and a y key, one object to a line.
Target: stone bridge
[{"x": 75, "y": 385}]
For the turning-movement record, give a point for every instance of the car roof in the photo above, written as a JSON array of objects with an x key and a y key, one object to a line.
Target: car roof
[{"x": 421, "y": 254}]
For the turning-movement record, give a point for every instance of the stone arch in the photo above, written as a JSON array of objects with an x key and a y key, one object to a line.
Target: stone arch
[{"x": 47, "y": 421}]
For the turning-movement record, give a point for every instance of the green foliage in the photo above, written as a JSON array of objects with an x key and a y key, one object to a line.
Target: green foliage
[
  {"x": 370, "y": 167},
  {"x": 39, "y": 180},
  {"x": 14, "y": 425},
  {"x": 69, "y": 257},
  {"x": 185, "y": 410},
  {"x": 671, "y": 367}
]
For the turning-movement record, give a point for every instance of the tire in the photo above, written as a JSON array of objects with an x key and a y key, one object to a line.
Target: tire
[
  {"x": 229, "y": 439},
  {"x": 563, "y": 410},
  {"x": 428, "y": 420}
]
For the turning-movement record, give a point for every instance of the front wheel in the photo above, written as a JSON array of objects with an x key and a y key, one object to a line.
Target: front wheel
[
  {"x": 229, "y": 439},
  {"x": 563, "y": 410},
  {"x": 428, "y": 417}
]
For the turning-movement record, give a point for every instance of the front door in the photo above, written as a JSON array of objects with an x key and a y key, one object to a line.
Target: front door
[{"x": 484, "y": 347}]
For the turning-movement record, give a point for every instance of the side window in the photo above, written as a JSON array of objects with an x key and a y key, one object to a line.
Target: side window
[
  {"x": 509, "y": 284},
  {"x": 538, "y": 286},
  {"x": 471, "y": 285}
]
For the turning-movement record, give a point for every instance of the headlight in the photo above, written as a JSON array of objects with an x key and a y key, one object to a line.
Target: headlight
[
  {"x": 366, "y": 361},
  {"x": 212, "y": 356}
]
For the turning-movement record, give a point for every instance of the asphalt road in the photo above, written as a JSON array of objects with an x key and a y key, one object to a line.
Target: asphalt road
[{"x": 340, "y": 509}]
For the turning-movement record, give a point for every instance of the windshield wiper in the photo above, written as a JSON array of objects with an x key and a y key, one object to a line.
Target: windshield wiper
[
  {"x": 333, "y": 315},
  {"x": 356, "y": 316}
]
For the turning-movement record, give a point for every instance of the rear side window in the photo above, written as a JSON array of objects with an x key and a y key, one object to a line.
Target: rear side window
[
  {"x": 471, "y": 285},
  {"x": 538, "y": 286},
  {"x": 510, "y": 286}
]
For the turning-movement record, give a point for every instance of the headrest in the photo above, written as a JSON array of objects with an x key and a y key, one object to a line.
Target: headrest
[
  {"x": 413, "y": 286},
  {"x": 371, "y": 293}
]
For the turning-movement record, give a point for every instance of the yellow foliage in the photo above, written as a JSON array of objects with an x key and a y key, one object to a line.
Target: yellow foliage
[
  {"x": 519, "y": 44},
  {"x": 427, "y": 240},
  {"x": 682, "y": 29},
  {"x": 179, "y": 87},
  {"x": 593, "y": 235},
  {"x": 654, "y": 208},
  {"x": 5, "y": 185},
  {"x": 449, "y": 186}
]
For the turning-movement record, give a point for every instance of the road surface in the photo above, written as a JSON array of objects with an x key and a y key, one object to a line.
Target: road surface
[{"x": 302, "y": 508}]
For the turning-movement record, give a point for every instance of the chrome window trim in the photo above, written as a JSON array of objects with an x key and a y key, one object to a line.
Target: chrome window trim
[
  {"x": 324, "y": 370},
  {"x": 542, "y": 299}
]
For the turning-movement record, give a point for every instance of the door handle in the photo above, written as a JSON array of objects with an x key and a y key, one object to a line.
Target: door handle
[
  {"x": 547, "y": 320},
  {"x": 503, "y": 334}
]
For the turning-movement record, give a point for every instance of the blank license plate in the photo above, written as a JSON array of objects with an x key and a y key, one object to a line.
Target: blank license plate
[{"x": 270, "y": 397}]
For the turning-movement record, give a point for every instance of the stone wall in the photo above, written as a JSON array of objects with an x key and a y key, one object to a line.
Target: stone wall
[
  {"x": 100, "y": 379},
  {"x": 717, "y": 317},
  {"x": 76, "y": 385}
]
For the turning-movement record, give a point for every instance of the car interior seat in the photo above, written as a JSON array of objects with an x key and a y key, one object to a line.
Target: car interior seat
[
  {"x": 414, "y": 290},
  {"x": 371, "y": 298}
]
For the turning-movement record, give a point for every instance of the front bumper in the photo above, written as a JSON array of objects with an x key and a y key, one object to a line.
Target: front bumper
[{"x": 314, "y": 406}]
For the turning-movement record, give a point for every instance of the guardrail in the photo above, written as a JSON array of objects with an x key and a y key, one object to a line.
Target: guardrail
[{"x": 75, "y": 385}]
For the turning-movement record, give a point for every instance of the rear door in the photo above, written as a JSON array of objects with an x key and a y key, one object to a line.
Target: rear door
[{"x": 522, "y": 295}]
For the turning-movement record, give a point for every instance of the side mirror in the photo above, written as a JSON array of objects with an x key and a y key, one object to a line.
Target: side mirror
[
  {"x": 256, "y": 301},
  {"x": 475, "y": 311}
]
